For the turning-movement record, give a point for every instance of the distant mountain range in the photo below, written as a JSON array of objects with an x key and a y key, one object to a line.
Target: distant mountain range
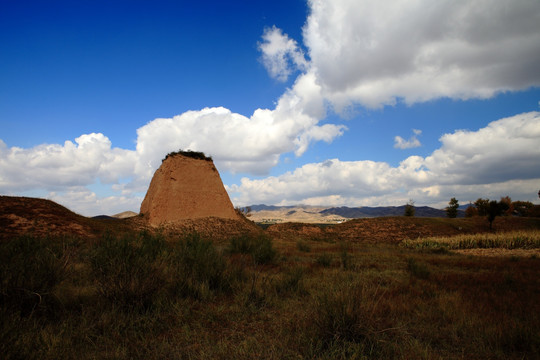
[
  {"x": 303, "y": 213},
  {"x": 262, "y": 207},
  {"x": 366, "y": 211}
]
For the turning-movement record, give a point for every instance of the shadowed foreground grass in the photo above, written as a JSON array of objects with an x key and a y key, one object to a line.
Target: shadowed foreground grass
[{"x": 146, "y": 297}]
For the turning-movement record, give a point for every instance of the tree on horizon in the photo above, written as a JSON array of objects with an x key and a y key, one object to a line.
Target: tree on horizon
[
  {"x": 409, "y": 208},
  {"x": 452, "y": 209}
]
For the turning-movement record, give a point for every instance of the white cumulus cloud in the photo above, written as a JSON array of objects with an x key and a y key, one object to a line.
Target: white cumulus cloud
[
  {"x": 237, "y": 143},
  {"x": 506, "y": 149},
  {"x": 375, "y": 52},
  {"x": 280, "y": 54},
  {"x": 359, "y": 52},
  {"x": 86, "y": 202},
  {"x": 500, "y": 159},
  {"x": 413, "y": 142},
  {"x": 55, "y": 166}
]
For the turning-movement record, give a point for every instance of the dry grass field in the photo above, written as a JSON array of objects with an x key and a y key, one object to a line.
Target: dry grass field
[{"x": 364, "y": 289}]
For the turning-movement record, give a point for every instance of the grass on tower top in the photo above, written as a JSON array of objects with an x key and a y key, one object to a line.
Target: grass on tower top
[{"x": 189, "y": 153}]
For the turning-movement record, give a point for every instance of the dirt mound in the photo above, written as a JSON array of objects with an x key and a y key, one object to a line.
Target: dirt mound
[
  {"x": 40, "y": 217},
  {"x": 218, "y": 230},
  {"x": 186, "y": 188},
  {"x": 396, "y": 229}
]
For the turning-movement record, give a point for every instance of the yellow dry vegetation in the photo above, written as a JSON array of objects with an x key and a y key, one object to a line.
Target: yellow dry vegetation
[{"x": 522, "y": 239}]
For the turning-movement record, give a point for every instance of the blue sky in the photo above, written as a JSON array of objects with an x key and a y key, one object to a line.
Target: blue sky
[{"x": 324, "y": 103}]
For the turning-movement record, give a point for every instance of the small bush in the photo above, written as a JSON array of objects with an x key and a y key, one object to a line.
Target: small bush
[
  {"x": 345, "y": 315},
  {"x": 339, "y": 319},
  {"x": 303, "y": 246},
  {"x": 417, "y": 269},
  {"x": 128, "y": 271},
  {"x": 197, "y": 268},
  {"x": 345, "y": 257},
  {"x": 259, "y": 247},
  {"x": 241, "y": 245},
  {"x": 324, "y": 260},
  {"x": 256, "y": 294},
  {"x": 440, "y": 250},
  {"x": 30, "y": 269},
  {"x": 189, "y": 153},
  {"x": 409, "y": 209},
  {"x": 291, "y": 282}
]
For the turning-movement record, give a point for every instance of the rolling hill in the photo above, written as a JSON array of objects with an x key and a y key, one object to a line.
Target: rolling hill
[{"x": 319, "y": 214}]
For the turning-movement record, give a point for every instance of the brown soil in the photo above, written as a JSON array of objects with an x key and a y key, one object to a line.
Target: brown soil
[
  {"x": 22, "y": 215},
  {"x": 216, "y": 229},
  {"x": 396, "y": 229}
]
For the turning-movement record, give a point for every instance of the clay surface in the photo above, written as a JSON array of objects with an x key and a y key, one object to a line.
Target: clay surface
[{"x": 186, "y": 188}]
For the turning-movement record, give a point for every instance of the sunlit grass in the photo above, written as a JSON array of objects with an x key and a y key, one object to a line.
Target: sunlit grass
[{"x": 529, "y": 239}]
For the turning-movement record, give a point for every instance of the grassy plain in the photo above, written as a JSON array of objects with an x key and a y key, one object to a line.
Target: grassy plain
[{"x": 152, "y": 296}]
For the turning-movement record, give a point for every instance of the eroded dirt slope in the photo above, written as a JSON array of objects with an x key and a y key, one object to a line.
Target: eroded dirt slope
[{"x": 22, "y": 215}]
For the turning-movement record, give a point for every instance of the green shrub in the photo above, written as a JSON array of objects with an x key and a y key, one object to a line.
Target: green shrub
[
  {"x": 30, "y": 269},
  {"x": 343, "y": 314},
  {"x": 303, "y": 246},
  {"x": 417, "y": 269},
  {"x": 241, "y": 245},
  {"x": 291, "y": 282},
  {"x": 189, "y": 153},
  {"x": 128, "y": 271},
  {"x": 259, "y": 247},
  {"x": 439, "y": 250},
  {"x": 345, "y": 257},
  {"x": 152, "y": 246},
  {"x": 409, "y": 208},
  {"x": 197, "y": 268},
  {"x": 324, "y": 260}
]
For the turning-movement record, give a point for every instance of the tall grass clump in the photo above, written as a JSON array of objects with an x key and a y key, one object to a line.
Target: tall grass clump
[
  {"x": 509, "y": 240},
  {"x": 291, "y": 282},
  {"x": 349, "y": 315},
  {"x": 417, "y": 269},
  {"x": 324, "y": 260},
  {"x": 30, "y": 270},
  {"x": 197, "y": 268},
  {"x": 128, "y": 270},
  {"x": 260, "y": 247},
  {"x": 340, "y": 317},
  {"x": 346, "y": 258},
  {"x": 303, "y": 246}
]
